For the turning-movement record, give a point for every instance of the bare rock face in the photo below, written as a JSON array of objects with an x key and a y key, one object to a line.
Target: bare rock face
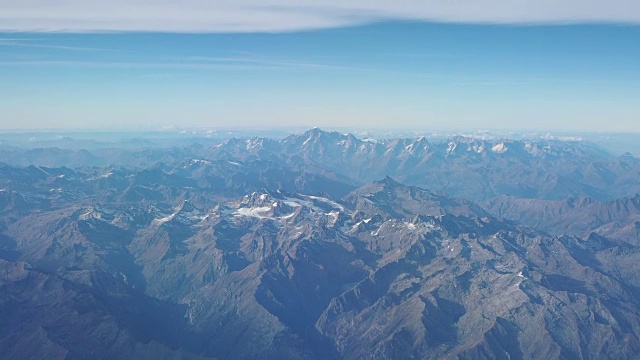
[
  {"x": 469, "y": 168},
  {"x": 47, "y": 316},
  {"x": 617, "y": 219},
  {"x": 235, "y": 258}
]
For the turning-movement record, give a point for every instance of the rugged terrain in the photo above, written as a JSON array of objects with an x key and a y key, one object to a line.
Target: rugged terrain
[{"x": 322, "y": 245}]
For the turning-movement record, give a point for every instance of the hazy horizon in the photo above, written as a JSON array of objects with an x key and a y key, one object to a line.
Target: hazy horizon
[
  {"x": 320, "y": 179},
  {"x": 550, "y": 66}
]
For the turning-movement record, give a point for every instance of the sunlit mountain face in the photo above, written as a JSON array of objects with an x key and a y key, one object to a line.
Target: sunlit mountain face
[
  {"x": 321, "y": 245},
  {"x": 319, "y": 180}
]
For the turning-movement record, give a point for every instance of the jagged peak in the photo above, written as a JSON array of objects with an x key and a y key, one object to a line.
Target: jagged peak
[
  {"x": 388, "y": 181},
  {"x": 186, "y": 206},
  {"x": 500, "y": 148},
  {"x": 317, "y": 133},
  {"x": 314, "y": 132},
  {"x": 465, "y": 139}
]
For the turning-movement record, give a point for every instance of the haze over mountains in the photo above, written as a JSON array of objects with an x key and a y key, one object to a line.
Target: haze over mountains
[{"x": 321, "y": 245}]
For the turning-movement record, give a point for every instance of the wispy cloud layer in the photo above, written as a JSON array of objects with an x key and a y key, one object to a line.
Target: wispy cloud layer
[
  {"x": 32, "y": 43},
  {"x": 294, "y": 15}
]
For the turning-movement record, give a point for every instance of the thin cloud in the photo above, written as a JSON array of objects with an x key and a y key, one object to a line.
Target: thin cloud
[
  {"x": 160, "y": 76},
  {"x": 30, "y": 44},
  {"x": 133, "y": 65},
  {"x": 252, "y": 60},
  {"x": 204, "y": 63},
  {"x": 295, "y": 15},
  {"x": 16, "y": 39},
  {"x": 188, "y": 63},
  {"x": 198, "y": 63}
]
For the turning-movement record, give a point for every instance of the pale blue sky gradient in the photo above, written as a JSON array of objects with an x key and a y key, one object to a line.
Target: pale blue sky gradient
[{"x": 387, "y": 74}]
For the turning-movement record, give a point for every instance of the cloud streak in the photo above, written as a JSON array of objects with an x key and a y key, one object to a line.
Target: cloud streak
[
  {"x": 30, "y": 43},
  {"x": 222, "y": 16},
  {"x": 191, "y": 63},
  {"x": 196, "y": 63}
]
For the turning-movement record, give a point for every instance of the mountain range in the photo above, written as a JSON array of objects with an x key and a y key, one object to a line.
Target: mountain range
[{"x": 321, "y": 245}]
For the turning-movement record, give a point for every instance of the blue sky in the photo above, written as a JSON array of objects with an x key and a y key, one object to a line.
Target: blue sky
[{"x": 389, "y": 73}]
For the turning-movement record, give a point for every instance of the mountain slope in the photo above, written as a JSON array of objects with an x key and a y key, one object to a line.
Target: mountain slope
[
  {"x": 578, "y": 216},
  {"x": 390, "y": 271},
  {"x": 465, "y": 167}
]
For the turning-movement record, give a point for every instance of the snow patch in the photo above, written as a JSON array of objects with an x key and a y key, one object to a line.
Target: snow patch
[
  {"x": 333, "y": 215},
  {"x": 499, "y": 148},
  {"x": 257, "y": 212},
  {"x": 292, "y": 203},
  {"x": 164, "y": 219},
  {"x": 451, "y": 147},
  {"x": 332, "y": 203}
]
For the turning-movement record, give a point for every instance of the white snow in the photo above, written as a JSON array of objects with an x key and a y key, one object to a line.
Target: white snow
[
  {"x": 451, "y": 147},
  {"x": 164, "y": 219},
  {"x": 307, "y": 141},
  {"x": 334, "y": 215},
  {"x": 261, "y": 212},
  {"x": 41, "y": 169},
  {"x": 295, "y": 202},
  {"x": 499, "y": 148},
  {"x": 91, "y": 213},
  {"x": 332, "y": 203},
  {"x": 252, "y": 143},
  {"x": 292, "y": 203},
  {"x": 256, "y": 212}
]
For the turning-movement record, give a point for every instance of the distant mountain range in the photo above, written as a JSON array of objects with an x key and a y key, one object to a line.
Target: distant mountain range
[
  {"x": 470, "y": 168},
  {"x": 617, "y": 218},
  {"x": 324, "y": 246}
]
